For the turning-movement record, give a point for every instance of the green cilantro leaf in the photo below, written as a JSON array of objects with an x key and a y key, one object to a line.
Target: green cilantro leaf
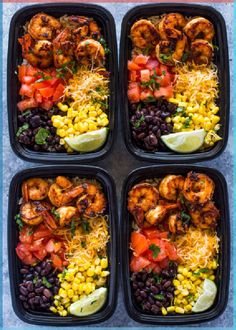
[
  {"x": 19, "y": 221},
  {"x": 85, "y": 226},
  {"x": 41, "y": 136},
  {"x": 22, "y": 129},
  {"x": 72, "y": 227},
  {"x": 55, "y": 213},
  {"x": 155, "y": 250},
  {"x": 46, "y": 283},
  {"x": 159, "y": 296},
  {"x": 185, "y": 217},
  {"x": 139, "y": 121}
]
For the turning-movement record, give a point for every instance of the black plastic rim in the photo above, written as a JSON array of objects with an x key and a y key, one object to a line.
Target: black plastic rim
[
  {"x": 223, "y": 272},
  {"x": 221, "y": 60},
  {"x": 51, "y": 319},
  {"x": 107, "y": 23}
]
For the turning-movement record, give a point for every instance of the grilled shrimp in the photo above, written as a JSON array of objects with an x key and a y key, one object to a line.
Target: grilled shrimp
[
  {"x": 60, "y": 196},
  {"x": 171, "y": 25},
  {"x": 142, "y": 197},
  {"x": 65, "y": 214},
  {"x": 85, "y": 27},
  {"x": 198, "y": 188},
  {"x": 176, "y": 225},
  {"x": 35, "y": 189},
  {"x": 89, "y": 52},
  {"x": 32, "y": 213},
  {"x": 170, "y": 186},
  {"x": 169, "y": 52},
  {"x": 63, "y": 48},
  {"x": 143, "y": 34},
  {"x": 201, "y": 51},
  {"x": 199, "y": 27},
  {"x": 92, "y": 202},
  {"x": 205, "y": 216},
  {"x": 37, "y": 53},
  {"x": 157, "y": 214},
  {"x": 43, "y": 27}
]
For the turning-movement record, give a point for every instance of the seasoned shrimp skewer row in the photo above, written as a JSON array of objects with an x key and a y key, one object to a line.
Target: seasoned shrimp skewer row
[{"x": 43, "y": 27}]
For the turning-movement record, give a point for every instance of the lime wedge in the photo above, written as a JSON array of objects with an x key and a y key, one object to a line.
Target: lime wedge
[
  {"x": 184, "y": 142},
  {"x": 90, "y": 304},
  {"x": 88, "y": 141},
  {"x": 206, "y": 299}
]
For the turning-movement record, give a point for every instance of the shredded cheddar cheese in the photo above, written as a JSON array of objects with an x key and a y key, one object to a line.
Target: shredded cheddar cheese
[
  {"x": 85, "y": 246},
  {"x": 87, "y": 86},
  {"x": 197, "y": 248}
]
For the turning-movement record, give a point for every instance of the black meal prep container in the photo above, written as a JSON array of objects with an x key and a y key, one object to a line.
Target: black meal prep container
[
  {"x": 48, "y": 318},
  {"x": 220, "y": 59},
  {"x": 107, "y": 24},
  {"x": 223, "y": 271}
]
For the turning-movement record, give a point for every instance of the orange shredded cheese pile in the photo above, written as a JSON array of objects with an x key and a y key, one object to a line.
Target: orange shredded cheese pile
[
  {"x": 83, "y": 247},
  {"x": 197, "y": 247}
]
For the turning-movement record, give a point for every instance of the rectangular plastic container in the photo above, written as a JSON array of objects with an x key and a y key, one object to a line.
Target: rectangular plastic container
[
  {"x": 106, "y": 21},
  {"x": 50, "y": 319},
  {"x": 223, "y": 271},
  {"x": 220, "y": 59}
]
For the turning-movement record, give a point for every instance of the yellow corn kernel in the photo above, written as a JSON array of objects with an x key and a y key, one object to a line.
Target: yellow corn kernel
[
  {"x": 176, "y": 292},
  {"x": 70, "y": 293},
  {"x": 105, "y": 122},
  {"x": 179, "y": 310},
  {"x": 105, "y": 273},
  {"x": 90, "y": 272},
  {"x": 170, "y": 309},
  {"x": 65, "y": 301},
  {"x": 176, "y": 282},
  {"x": 61, "y": 132},
  {"x": 185, "y": 292},
  {"x": 75, "y": 298},
  {"x": 97, "y": 261},
  {"x": 172, "y": 100},
  {"x": 180, "y": 296},
  {"x": 98, "y": 270},
  {"x": 180, "y": 277},
  {"x": 180, "y": 287},
  {"x": 185, "y": 271},
  {"x": 56, "y": 302},
  {"x": 62, "y": 107},
  {"x": 93, "y": 113},
  {"x": 198, "y": 282},
  {"x": 176, "y": 119},
  {"x": 168, "y": 120},
  {"x": 75, "y": 286},
  {"x": 164, "y": 311},
  {"x": 89, "y": 279},
  {"x": 104, "y": 263},
  {"x": 188, "y": 308},
  {"x": 53, "y": 309},
  {"x": 180, "y": 269},
  {"x": 212, "y": 277}
]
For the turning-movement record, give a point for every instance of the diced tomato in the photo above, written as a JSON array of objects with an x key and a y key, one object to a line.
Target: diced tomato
[
  {"x": 42, "y": 84},
  {"x": 165, "y": 80},
  {"x": 158, "y": 244},
  {"x": 166, "y": 92},
  {"x": 22, "y": 69},
  {"x": 134, "y": 92},
  {"x": 27, "y": 104},
  {"x": 50, "y": 246},
  {"x": 46, "y": 104},
  {"x": 46, "y": 92},
  {"x": 141, "y": 59},
  {"x": 157, "y": 268},
  {"x": 26, "y": 235},
  {"x": 171, "y": 251},
  {"x": 42, "y": 232},
  {"x": 149, "y": 268},
  {"x": 154, "y": 233},
  {"x": 36, "y": 245},
  {"x": 145, "y": 75},
  {"x": 28, "y": 80},
  {"x": 145, "y": 94},
  {"x": 133, "y": 76},
  {"x": 56, "y": 261},
  {"x": 22, "y": 250},
  {"x": 38, "y": 97},
  {"x": 139, "y": 243},
  {"x": 54, "y": 82},
  {"x": 40, "y": 254},
  {"x": 58, "y": 93},
  {"x": 151, "y": 64},
  {"x": 31, "y": 71},
  {"x": 26, "y": 90},
  {"x": 138, "y": 263},
  {"x": 133, "y": 66},
  {"x": 164, "y": 263},
  {"x": 57, "y": 246}
]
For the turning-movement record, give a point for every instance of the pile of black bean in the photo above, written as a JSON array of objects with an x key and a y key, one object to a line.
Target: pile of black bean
[
  {"x": 40, "y": 284},
  {"x": 30, "y": 122},
  {"x": 152, "y": 291},
  {"x": 148, "y": 123}
]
